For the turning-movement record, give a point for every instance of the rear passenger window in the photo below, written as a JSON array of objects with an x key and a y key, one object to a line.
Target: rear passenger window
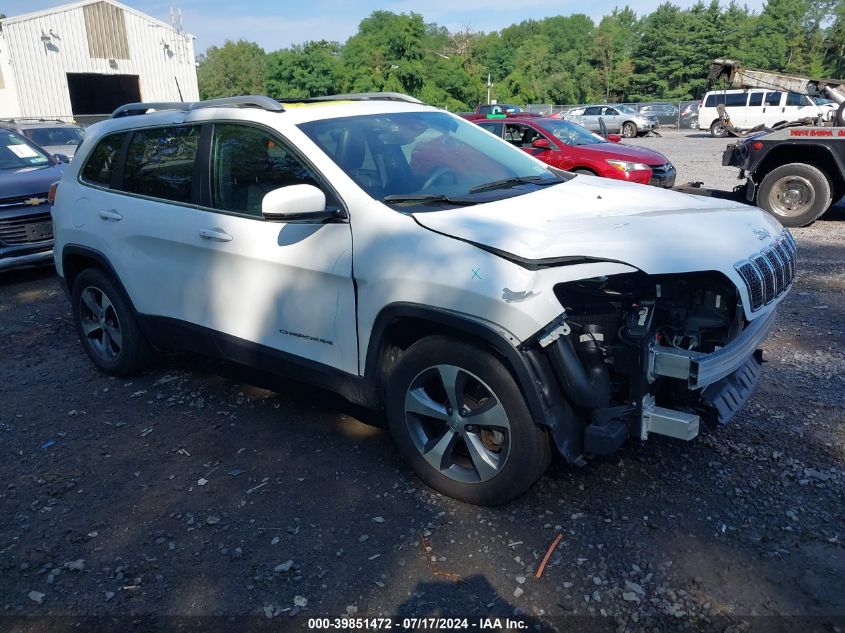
[
  {"x": 773, "y": 98},
  {"x": 795, "y": 99},
  {"x": 756, "y": 99},
  {"x": 247, "y": 164},
  {"x": 736, "y": 99},
  {"x": 160, "y": 163},
  {"x": 102, "y": 161}
]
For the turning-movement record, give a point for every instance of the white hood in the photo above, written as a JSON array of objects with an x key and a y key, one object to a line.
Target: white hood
[{"x": 656, "y": 230}]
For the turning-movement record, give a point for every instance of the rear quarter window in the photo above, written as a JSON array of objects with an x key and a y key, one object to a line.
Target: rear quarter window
[{"x": 101, "y": 163}]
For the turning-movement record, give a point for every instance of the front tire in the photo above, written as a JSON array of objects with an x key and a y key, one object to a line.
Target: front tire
[
  {"x": 796, "y": 194},
  {"x": 459, "y": 419},
  {"x": 629, "y": 130},
  {"x": 106, "y": 325},
  {"x": 718, "y": 129}
]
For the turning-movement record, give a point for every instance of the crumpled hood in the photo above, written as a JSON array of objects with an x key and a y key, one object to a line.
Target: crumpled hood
[{"x": 656, "y": 230}]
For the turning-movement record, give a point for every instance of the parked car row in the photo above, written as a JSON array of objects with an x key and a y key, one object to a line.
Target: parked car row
[{"x": 55, "y": 137}]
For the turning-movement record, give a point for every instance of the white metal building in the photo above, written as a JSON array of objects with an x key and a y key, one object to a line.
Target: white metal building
[{"x": 89, "y": 58}]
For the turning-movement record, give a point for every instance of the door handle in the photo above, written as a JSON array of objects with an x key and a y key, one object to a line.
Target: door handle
[
  {"x": 111, "y": 215},
  {"x": 218, "y": 235}
]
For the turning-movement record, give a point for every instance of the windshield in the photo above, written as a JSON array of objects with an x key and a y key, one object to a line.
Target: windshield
[
  {"x": 46, "y": 136},
  {"x": 16, "y": 152},
  {"x": 426, "y": 157},
  {"x": 571, "y": 133}
]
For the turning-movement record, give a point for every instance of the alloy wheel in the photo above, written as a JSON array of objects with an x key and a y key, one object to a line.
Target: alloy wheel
[
  {"x": 100, "y": 325},
  {"x": 457, "y": 423}
]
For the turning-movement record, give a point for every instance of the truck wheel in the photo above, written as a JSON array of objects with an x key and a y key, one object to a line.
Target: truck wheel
[
  {"x": 106, "y": 325},
  {"x": 459, "y": 419},
  {"x": 629, "y": 129},
  {"x": 718, "y": 129},
  {"x": 796, "y": 194}
]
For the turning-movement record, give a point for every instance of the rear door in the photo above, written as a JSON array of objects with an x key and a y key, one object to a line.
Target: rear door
[{"x": 590, "y": 118}]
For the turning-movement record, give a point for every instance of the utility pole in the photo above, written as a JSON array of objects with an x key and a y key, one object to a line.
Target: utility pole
[{"x": 489, "y": 86}]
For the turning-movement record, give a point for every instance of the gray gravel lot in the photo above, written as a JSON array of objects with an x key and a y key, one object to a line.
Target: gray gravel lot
[{"x": 198, "y": 489}]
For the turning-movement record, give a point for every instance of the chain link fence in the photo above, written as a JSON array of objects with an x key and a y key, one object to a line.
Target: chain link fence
[{"x": 675, "y": 114}]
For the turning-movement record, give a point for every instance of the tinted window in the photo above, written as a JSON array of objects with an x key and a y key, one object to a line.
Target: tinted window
[
  {"x": 610, "y": 112},
  {"x": 102, "y": 160},
  {"x": 795, "y": 99},
  {"x": 735, "y": 99},
  {"x": 485, "y": 109},
  {"x": 773, "y": 98},
  {"x": 55, "y": 135},
  {"x": 710, "y": 102},
  {"x": 248, "y": 163},
  {"x": 494, "y": 127},
  {"x": 160, "y": 163},
  {"x": 592, "y": 111},
  {"x": 755, "y": 99}
]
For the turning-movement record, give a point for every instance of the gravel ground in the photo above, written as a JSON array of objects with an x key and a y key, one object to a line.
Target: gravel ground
[{"x": 200, "y": 490}]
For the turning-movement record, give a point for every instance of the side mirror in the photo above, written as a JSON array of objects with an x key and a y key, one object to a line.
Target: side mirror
[
  {"x": 614, "y": 138},
  {"x": 296, "y": 203},
  {"x": 541, "y": 143},
  {"x": 62, "y": 158}
]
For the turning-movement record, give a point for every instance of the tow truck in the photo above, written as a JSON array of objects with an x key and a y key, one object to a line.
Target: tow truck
[{"x": 794, "y": 171}]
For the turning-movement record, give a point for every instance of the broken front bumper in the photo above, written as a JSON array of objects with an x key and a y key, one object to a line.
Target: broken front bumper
[{"x": 700, "y": 369}]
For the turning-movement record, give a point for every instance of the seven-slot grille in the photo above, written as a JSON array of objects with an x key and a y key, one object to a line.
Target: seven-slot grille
[{"x": 768, "y": 274}]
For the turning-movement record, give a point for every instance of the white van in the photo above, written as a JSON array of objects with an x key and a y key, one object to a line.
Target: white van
[{"x": 750, "y": 108}]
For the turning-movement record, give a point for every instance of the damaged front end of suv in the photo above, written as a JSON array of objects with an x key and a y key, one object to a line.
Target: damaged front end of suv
[{"x": 636, "y": 354}]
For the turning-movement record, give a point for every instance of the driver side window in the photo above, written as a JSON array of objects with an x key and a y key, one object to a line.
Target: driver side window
[{"x": 248, "y": 163}]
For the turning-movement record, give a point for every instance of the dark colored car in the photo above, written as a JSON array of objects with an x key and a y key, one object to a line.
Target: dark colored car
[
  {"x": 497, "y": 111},
  {"x": 569, "y": 146},
  {"x": 26, "y": 226},
  {"x": 666, "y": 113}
]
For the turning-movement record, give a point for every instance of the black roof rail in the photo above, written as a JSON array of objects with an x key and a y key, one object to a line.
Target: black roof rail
[
  {"x": 356, "y": 96},
  {"x": 249, "y": 101}
]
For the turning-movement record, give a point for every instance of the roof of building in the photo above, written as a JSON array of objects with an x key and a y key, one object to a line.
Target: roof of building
[{"x": 78, "y": 5}]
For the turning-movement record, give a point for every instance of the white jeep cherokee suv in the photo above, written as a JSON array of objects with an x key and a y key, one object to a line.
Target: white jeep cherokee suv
[{"x": 495, "y": 308}]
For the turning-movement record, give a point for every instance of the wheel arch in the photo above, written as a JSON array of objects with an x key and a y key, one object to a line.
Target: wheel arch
[
  {"x": 75, "y": 259},
  {"x": 825, "y": 161},
  {"x": 400, "y": 325}
]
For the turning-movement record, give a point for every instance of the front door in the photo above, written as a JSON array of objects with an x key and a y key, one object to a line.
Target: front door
[{"x": 284, "y": 286}]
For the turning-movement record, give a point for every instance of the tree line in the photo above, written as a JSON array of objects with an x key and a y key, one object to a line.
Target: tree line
[{"x": 663, "y": 55}]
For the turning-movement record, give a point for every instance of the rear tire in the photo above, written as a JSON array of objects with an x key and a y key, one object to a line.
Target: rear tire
[
  {"x": 629, "y": 130},
  {"x": 106, "y": 325},
  {"x": 718, "y": 129},
  {"x": 459, "y": 419},
  {"x": 796, "y": 194}
]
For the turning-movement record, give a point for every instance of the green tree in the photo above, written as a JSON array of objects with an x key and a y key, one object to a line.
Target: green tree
[
  {"x": 236, "y": 68},
  {"x": 304, "y": 70}
]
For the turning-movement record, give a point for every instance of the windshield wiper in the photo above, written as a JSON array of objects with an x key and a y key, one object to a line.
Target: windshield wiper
[
  {"x": 513, "y": 182},
  {"x": 427, "y": 198}
]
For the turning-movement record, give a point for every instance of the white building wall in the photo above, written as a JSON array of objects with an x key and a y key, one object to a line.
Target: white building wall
[
  {"x": 9, "y": 105},
  {"x": 40, "y": 68}
]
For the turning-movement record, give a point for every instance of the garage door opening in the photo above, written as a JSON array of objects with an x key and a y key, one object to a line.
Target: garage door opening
[{"x": 91, "y": 93}]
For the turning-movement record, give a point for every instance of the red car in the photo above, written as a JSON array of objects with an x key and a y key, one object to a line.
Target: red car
[{"x": 569, "y": 146}]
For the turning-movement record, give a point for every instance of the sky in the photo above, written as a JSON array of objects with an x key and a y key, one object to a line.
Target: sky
[{"x": 277, "y": 24}]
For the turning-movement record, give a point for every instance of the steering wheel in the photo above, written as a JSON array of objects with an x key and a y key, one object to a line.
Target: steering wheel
[{"x": 439, "y": 173}]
